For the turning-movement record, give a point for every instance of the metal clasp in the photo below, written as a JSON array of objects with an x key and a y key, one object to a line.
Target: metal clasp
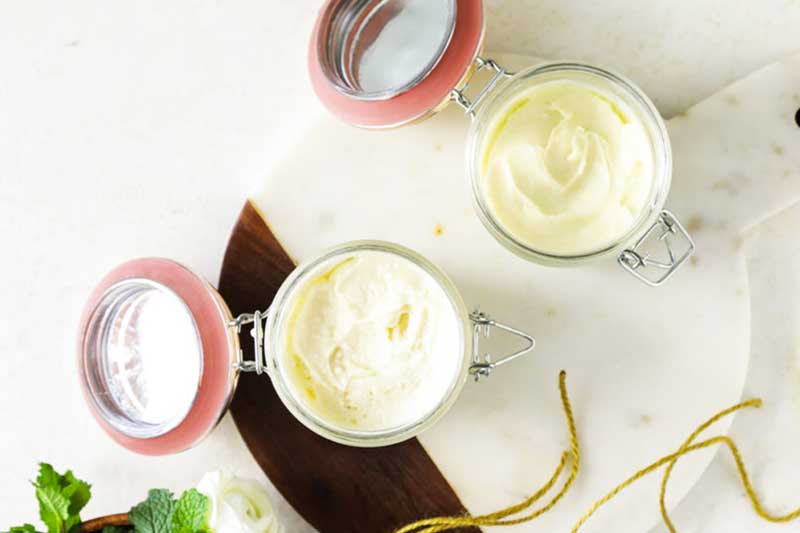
[
  {"x": 259, "y": 362},
  {"x": 482, "y": 365},
  {"x": 481, "y": 63},
  {"x": 633, "y": 260}
]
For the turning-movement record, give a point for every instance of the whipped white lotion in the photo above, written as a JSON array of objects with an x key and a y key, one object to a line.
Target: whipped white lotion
[
  {"x": 566, "y": 168},
  {"x": 371, "y": 342}
]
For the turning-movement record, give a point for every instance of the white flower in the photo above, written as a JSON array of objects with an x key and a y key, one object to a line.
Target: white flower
[{"x": 237, "y": 505}]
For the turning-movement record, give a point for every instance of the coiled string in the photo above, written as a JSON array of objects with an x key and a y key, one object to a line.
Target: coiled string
[
  {"x": 500, "y": 518},
  {"x": 737, "y": 457}
]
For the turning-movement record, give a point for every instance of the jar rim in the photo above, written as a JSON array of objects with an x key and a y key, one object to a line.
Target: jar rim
[
  {"x": 219, "y": 350},
  {"x": 317, "y": 424},
  {"x": 344, "y": 23},
  {"x": 419, "y": 101},
  {"x": 129, "y": 296},
  {"x": 549, "y": 71}
]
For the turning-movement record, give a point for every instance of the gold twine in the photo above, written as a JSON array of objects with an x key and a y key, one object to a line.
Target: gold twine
[
  {"x": 671, "y": 465},
  {"x": 445, "y": 523},
  {"x": 737, "y": 457}
]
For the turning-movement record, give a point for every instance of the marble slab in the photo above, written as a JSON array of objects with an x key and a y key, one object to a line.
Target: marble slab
[
  {"x": 752, "y": 124},
  {"x": 645, "y": 365},
  {"x": 768, "y": 437}
]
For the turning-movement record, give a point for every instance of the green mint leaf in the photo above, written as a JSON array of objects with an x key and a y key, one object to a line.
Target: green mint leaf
[
  {"x": 72, "y": 524},
  {"x": 52, "y": 490},
  {"x": 154, "y": 515},
  {"x": 27, "y": 528},
  {"x": 78, "y": 492},
  {"x": 53, "y": 508},
  {"x": 48, "y": 477},
  {"x": 191, "y": 513}
]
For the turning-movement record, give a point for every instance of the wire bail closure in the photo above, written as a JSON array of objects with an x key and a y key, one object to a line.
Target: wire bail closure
[
  {"x": 633, "y": 260},
  {"x": 482, "y": 364},
  {"x": 482, "y": 324},
  {"x": 259, "y": 363},
  {"x": 469, "y": 105}
]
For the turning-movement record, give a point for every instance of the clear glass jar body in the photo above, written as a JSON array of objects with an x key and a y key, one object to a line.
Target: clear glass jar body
[
  {"x": 276, "y": 325},
  {"x": 607, "y": 82}
]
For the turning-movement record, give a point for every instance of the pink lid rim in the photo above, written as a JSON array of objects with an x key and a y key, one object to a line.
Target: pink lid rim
[
  {"x": 421, "y": 99},
  {"x": 219, "y": 374}
]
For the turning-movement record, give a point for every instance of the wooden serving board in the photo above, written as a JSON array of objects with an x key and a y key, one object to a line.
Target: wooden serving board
[{"x": 336, "y": 488}]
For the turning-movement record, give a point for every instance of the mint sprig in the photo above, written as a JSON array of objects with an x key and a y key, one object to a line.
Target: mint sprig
[
  {"x": 27, "y": 528},
  {"x": 191, "y": 513},
  {"x": 63, "y": 496},
  {"x": 162, "y": 513},
  {"x": 154, "y": 515},
  {"x": 53, "y": 508}
]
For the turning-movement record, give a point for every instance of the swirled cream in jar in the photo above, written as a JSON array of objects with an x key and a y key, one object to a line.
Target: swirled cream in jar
[
  {"x": 566, "y": 168},
  {"x": 371, "y": 342}
]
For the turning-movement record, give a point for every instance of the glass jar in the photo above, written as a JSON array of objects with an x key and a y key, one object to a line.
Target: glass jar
[
  {"x": 635, "y": 100},
  {"x": 360, "y": 66},
  {"x": 159, "y": 353}
]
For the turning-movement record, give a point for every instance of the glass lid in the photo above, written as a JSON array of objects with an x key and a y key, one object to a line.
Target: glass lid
[
  {"x": 142, "y": 358},
  {"x": 385, "y": 63},
  {"x": 377, "y": 49}
]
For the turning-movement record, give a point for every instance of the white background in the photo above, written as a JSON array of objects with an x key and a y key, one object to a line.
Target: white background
[{"x": 138, "y": 128}]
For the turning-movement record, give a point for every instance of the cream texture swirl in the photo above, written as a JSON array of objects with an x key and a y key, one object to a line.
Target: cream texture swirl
[
  {"x": 372, "y": 342},
  {"x": 565, "y": 167}
]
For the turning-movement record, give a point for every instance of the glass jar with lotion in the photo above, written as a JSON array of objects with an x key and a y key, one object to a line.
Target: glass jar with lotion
[
  {"x": 568, "y": 162},
  {"x": 367, "y": 344}
]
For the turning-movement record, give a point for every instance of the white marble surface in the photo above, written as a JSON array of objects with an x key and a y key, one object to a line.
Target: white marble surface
[
  {"x": 767, "y": 174},
  {"x": 767, "y": 437},
  {"x": 130, "y": 129}
]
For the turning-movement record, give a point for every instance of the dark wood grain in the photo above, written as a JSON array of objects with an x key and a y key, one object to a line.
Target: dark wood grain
[{"x": 338, "y": 489}]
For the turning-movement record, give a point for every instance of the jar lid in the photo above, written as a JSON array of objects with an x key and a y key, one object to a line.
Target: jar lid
[
  {"x": 156, "y": 357},
  {"x": 385, "y": 63}
]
